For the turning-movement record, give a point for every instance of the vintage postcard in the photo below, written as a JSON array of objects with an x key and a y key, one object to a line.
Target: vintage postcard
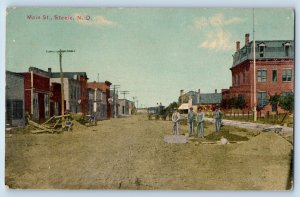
[{"x": 149, "y": 98}]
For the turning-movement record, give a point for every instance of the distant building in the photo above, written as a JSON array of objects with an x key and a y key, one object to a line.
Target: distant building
[
  {"x": 106, "y": 103},
  {"x": 97, "y": 102},
  {"x": 125, "y": 107},
  {"x": 14, "y": 99},
  {"x": 197, "y": 99},
  {"x": 274, "y": 72},
  {"x": 75, "y": 90}
]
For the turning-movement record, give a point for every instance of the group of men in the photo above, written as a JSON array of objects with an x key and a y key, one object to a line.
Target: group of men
[{"x": 199, "y": 117}]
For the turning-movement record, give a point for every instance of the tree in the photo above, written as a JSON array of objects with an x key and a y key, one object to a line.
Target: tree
[
  {"x": 286, "y": 102},
  {"x": 240, "y": 102},
  {"x": 273, "y": 100}
]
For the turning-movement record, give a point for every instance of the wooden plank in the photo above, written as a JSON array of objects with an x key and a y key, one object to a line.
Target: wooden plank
[
  {"x": 39, "y": 126},
  {"x": 48, "y": 120}
]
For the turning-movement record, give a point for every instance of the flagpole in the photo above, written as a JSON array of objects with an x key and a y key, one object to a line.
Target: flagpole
[{"x": 254, "y": 75}]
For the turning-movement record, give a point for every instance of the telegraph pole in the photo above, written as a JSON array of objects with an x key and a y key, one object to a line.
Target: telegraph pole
[
  {"x": 114, "y": 100},
  {"x": 135, "y": 100},
  {"x": 60, "y": 52},
  {"x": 254, "y": 75},
  {"x": 124, "y": 93}
]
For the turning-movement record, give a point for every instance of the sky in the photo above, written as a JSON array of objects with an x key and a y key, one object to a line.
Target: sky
[{"x": 151, "y": 52}]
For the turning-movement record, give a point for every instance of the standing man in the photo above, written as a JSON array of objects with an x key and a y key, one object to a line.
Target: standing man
[
  {"x": 218, "y": 118},
  {"x": 191, "y": 118},
  {"x": 175, "y": 120},
  {"x": 200, "y": 120}
]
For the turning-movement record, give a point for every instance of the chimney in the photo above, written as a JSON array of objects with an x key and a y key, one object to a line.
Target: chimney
[
  {"x": 181, "y": 92},
  {"x": 247, "y": 39},
  {"x": 237, "y": 46},
  {"x": 216, "y": 91},
  {"x": 49, "y": 71}
]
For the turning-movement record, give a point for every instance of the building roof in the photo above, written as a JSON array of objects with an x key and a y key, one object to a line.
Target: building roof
[
  {"x": 273, "y": 49},
  {"x": 184, "y": 106},
  {"x": 204, "y": 98},
  {"x": 15, "y": 74},
  {"x": 100, "y": 85},
  {"x": 70, "y": 75},
  {"x": 210, "y": 98}
]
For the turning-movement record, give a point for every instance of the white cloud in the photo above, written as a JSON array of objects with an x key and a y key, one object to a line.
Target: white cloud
[
  {"x": 217, "y": 20},
  {"x": 99, "y": 20},
  {"x": 219, "y": 40},
  {"x": 216, "y": 38}
]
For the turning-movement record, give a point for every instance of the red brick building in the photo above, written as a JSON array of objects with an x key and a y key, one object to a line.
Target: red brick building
[
  {"x": 105, "y": 87},
  {"x": 37, "y": 94},
  {"x": 55, "y": 99},
  {"x": 75, "y": 89},
  {"x": 274, "y": 72}
]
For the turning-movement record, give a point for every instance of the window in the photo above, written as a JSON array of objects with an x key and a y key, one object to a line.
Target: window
[
  {"x": 244, "y": 78},
  {"x": 35, "y": 113},
  {"x": 261, "y": 51},
  {"x": 46, "y": 101},
  {"x": 287, "y": 75},
  {"x": 238, "y": 80},
  {"x": 262, "y": 99},
  {"x": 274, "y": 75},
  {"x": 56, "y": 112},
  {"x": 287, "y": 47},
  {"x": 261, "y": 75},
  {"x": 286, "y": 93},
  {"x": 287, "y": 50},
  {"x": 17, "y": 109},
  {"x": 233, "y": 80}
]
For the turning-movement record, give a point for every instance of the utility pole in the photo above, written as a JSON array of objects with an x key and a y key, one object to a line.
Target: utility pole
[
  {"x": 115, "y": 87},
  {"x": 124, "y": 93},
  {"x": 134, "y": 98},
  {"x": 60, "y": 52},
  {"x": 254, "y": 74}
]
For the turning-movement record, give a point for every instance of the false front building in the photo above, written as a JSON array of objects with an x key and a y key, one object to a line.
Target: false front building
[{"x": 274, "y": 73}]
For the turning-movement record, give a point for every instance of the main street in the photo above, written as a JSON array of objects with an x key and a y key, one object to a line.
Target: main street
[{"x": 130, "y": 153}]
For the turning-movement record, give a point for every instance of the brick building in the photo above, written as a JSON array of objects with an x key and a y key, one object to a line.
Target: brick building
[
  {"x": 97, "y": 102},
  {"x": 55, "y": 99},
  {"x": 274, "y": 72},
  {"x": 195, "y": 99},
  {"x": 75, "y": 90},
  {"x": 14, "y": 112},
  {"x": 37, "y": 94},
  {"x": 105, "y": 88}
]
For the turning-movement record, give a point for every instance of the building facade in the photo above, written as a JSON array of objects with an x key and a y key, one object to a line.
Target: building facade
[
  {"x": 103, "y": 89},
  {"x": 15, "y": 114},
  {"x": 274, "y": 73},
  {"x": 97, "y": 103},
  {"x": 196, "y": 99},
  {"x": 75, "y": 90},
  {"x": 37, "y": 94},
  {"x": 55, "y": 99}
]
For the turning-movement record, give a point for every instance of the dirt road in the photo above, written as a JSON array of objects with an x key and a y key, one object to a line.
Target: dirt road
[{"x": 129, "y": 153}]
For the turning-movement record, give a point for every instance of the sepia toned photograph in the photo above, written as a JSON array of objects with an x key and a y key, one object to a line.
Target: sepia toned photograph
[{"x": 149, "y": 98}]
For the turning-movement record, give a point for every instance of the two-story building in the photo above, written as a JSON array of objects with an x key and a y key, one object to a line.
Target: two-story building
[
  {"x": 274, "y": 72},
  {"x": 75, "y": 90},
  {"x": 37, "y": 94},
  {"x": 97, "y": 104}
]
